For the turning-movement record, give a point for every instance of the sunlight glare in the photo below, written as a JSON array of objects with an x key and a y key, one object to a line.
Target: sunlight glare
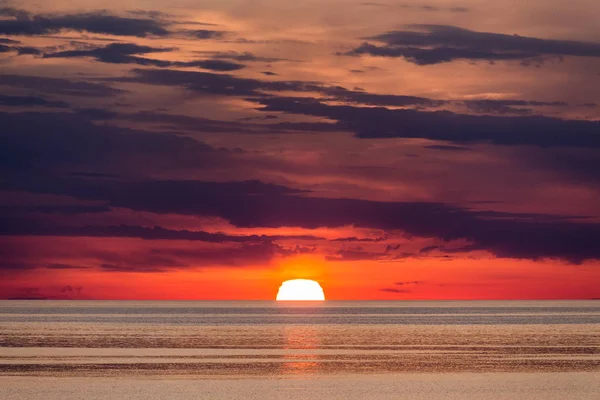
[{"x": 300, "y": 289}]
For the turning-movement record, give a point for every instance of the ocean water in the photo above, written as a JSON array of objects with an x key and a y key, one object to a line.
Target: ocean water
[{"x": 48, "y": 347}]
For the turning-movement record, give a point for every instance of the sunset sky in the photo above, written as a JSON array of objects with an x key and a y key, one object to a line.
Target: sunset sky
[{"x": 211, "y": 149}]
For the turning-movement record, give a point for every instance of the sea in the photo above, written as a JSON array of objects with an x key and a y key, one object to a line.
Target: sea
[{"x": 299, "y": 350}]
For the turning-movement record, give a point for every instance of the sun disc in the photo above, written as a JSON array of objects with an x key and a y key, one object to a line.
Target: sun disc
[{"x": 300, "y": 289}]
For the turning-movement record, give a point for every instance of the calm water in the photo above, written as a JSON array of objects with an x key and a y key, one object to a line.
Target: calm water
[{"x": 257, "y": 339}]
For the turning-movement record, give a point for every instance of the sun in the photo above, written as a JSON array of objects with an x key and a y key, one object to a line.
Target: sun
[{"x": 300, "y": 289}]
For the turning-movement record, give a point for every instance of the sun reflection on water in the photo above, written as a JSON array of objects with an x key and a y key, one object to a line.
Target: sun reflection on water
[{"x": 301, "y": 345}]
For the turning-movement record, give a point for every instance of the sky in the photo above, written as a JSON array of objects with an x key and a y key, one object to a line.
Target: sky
[{"x": 211, "y": 149}]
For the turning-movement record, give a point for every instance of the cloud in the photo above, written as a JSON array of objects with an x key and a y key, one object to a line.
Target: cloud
[
  {"x": 577, "y": 165},
  {"x": 159, "y": 255},
  {"x": 35, "y": 227},
  {"x": 508, "y": 106},
  {"x": 240, "y": 56},
  {"x": 418, "y": 7},
  {"x": 354, "y": 254},
  {"x": 161, "y": 259},
  {"x": 208, "y": 34},
  {"x": 434, "y": 44},
  {"x": 256, "y": 204},
  {"x": 355, "y": 96},
  {"x": 394, "y": 290},
  {"x": 211, "y": 83},
  {"x": 59, "y": 86},
  {"x": 96, "y": 114},
  {"x": 214, "y": 65},
  {"x": 30, "y": 101},
  {"x": 125, "y": 53},
  {"x": 13, "y": 210},
  {"x": 45, "y": 143},
  {"x": 112, "y": 53},
  {"x": 392, "y": 247},
  {"x": 23, "y": 23},
  {"x": 199, "y": 124},
  {"x": 380, "y": 123},
  {"x": 64, "y": 266},
  {"x": 20, "y": 50},
  {"x": 151, "y": 14},
  {"x": 229, "y": 85},
  {"x": 444, "y": 147},
  {"x": 8, "y": 41},
  {"x": 356, "y": 239},
  {"x": 402, "y": 288},
  {"x": 428, "y": 249}
]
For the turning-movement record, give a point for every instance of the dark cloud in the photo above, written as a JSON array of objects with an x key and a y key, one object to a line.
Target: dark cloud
[
  {"x": 229, "y": 85},
  {"x": 429, "y": 249},
  {"x": 373, "y": 122},
  {"x": 97, "y": 113},
  {"x": 198, "y": 124},
  {"x": 576, "y": 165},
  {"x": 30, "y": 101},
  {"x": 216, "y": 84},
  {"x": 51, "y": 142},
  {"x": 508, "y": 106},
  {"x": 255, "y": 204},
  {"x": 112, "y": 53},
  {"x": 20, "y": 50},
  {"x": 239, "y": 56},
  {"x": 379, "y": 123},
  {"x": 444, "y": 147},
  {"x": 59, "y": 86},
  {"x": 180, "y": 123},
  {"x": 392, "y": 247},
  {"x": 92, "y": 175},
  {"x": 434, "y": 44},
  {"x": 35, "y": 227},
  {"x": 408, "y": 283},
  {"x": 394, "y": 290},
  {"x": 139, "y": 267},
  {"x": 10, "y": 265},
  {"x": 64, "y": 266},
  {"x": 214, "y": 65},
  {"x": 8, "y": 41},
  {"x": 158, "y": 256},
  {"x": 51, "y": 209},
  {"x": 208, "y": 34},
  {"x": 260, "y": 118},
  {"x": 26, "y": 50},
  {"x": 356, "y": 96},
  {"x": 24, "y": 23},
  {"x": 357, "y": 253},
  {"x": 125, "y": 53},
  {"x": 356, "y": 239},
  {"x": 162, "y": 259}
]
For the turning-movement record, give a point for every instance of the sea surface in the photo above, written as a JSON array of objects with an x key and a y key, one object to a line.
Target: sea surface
[{"x": 248, "y": 348}]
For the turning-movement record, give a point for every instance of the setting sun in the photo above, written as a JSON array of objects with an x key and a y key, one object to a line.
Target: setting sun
[{"x": 300, "y": 289}]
